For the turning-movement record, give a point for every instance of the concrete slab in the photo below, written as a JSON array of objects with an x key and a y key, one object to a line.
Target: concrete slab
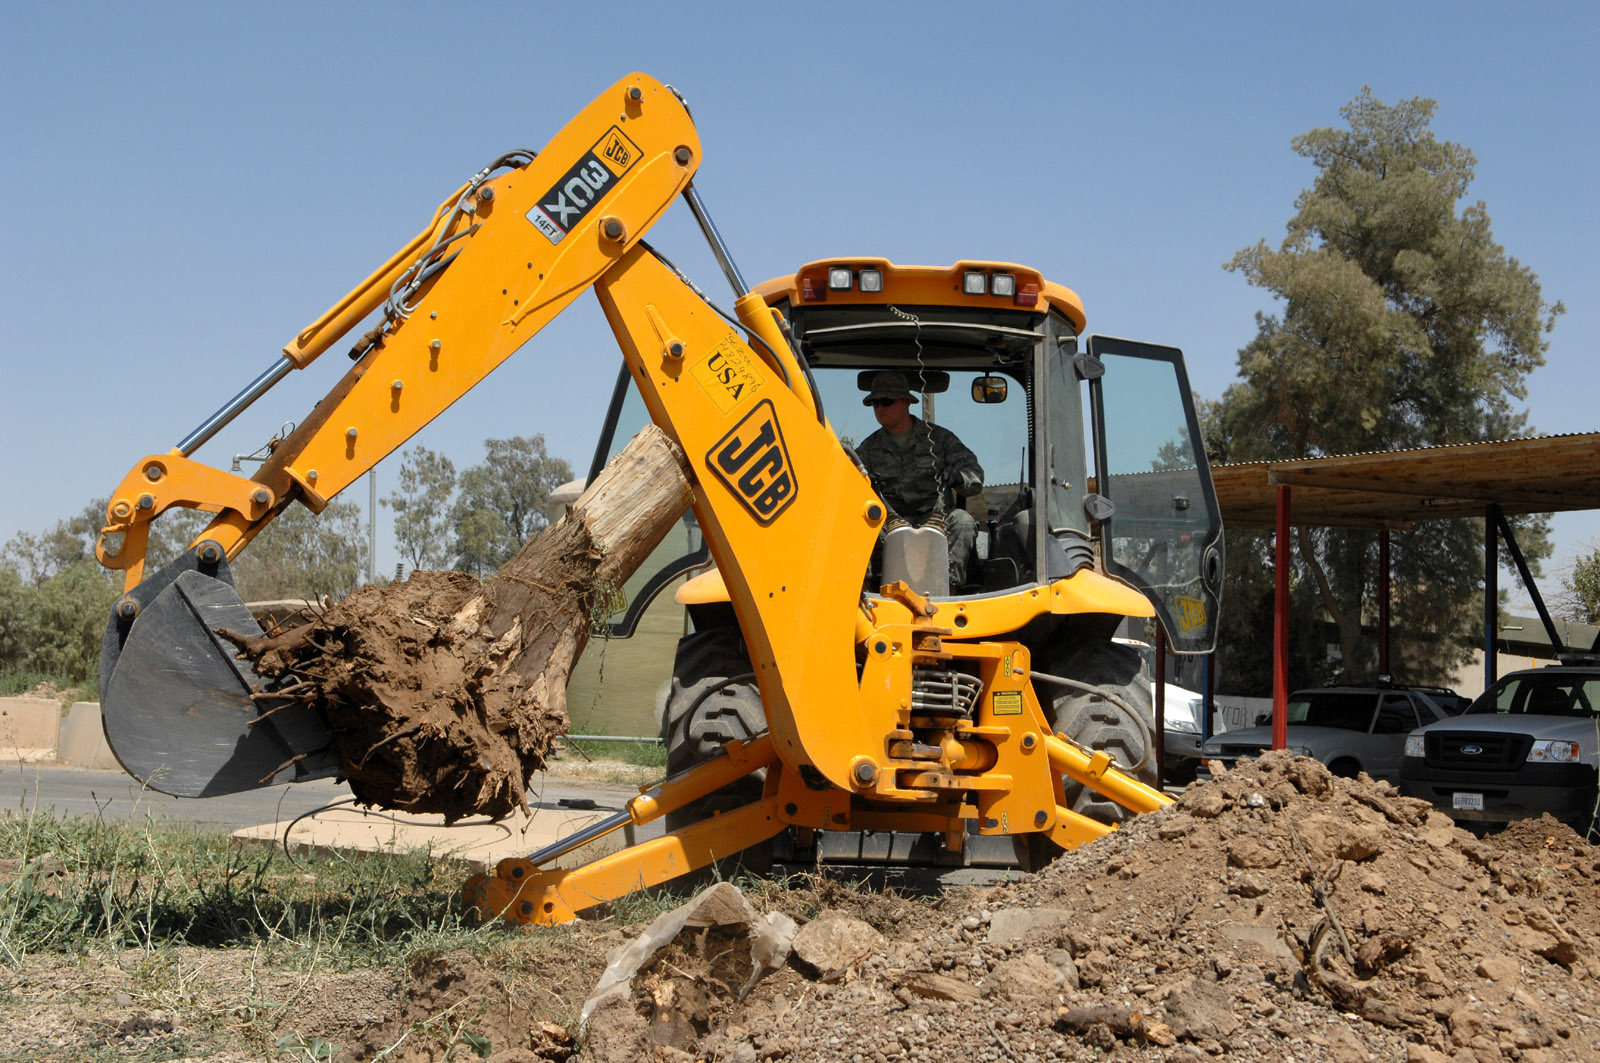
[
  {"x": 29, "y": 729},
  {"x": 83, "y": 739},
  {"x": 480, "y": 844}
]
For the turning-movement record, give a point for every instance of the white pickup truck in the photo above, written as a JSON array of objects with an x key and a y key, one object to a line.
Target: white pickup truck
[{"x": 1529, "y": 744}]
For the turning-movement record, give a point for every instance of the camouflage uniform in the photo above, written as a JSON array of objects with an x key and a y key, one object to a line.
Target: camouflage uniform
[{"x": 911, "y": 469}]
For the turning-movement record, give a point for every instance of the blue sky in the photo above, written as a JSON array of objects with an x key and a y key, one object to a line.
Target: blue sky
[{"x": 187, "y": 185}]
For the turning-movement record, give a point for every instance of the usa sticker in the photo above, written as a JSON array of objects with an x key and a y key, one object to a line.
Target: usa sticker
[
  {"x": 570, "y": 199},
  {"x": 753, "y": 462},
  {"x": 728, "y": 375}
]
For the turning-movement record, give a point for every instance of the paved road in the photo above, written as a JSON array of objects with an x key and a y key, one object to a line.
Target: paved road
[{"x": 62, "y": 791}]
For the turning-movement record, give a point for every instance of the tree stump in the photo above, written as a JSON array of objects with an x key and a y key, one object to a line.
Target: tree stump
[{"x": 444, "y": 693}]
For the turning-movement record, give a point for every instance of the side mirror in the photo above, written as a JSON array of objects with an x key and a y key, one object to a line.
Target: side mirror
[{"x": 989, "y": 389}]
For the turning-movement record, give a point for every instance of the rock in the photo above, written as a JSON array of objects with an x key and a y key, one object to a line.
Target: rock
[
  {"x": 834, "y": 942},
  {"x": 1207, "y": 803},
  {"x": 1359, "y": 842},
  {"x": 1062, "y": 961},
  {"x": 1465, "y": 1023},
  {"x": 1247, "y": 883},
  {"x": 1198, "y": 1009},
  {"x": 1094, "y": 967},
  {"x": 1249, "y": 853},
  {"x": 1310, "y": 777},
  {"x": 1500, "y": 969},
  {"x": 939, "y": 987},
  {"x": 1023, "y": 980},
  {"x": 1011, "y": 925}
]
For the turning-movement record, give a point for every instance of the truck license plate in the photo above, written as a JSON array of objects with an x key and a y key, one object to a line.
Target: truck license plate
[{"x": 1467, "y": 802}]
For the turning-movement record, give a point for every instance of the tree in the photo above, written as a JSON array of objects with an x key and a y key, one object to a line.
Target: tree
[
  {"x": 36, "y": 558},
  {"x": 304, "y": 555},
  {"x": 1403, "y": 325},
  {"x": 1580, "y": 588},
  {"x": 499, "y": 505},
  {"x": 421, "y": 507}
]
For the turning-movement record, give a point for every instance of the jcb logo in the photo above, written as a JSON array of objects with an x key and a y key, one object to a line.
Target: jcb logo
[
  {"x": 1191, "y": 614},
  {"x": 753, "y": 462},
  {"x": 618, "y": 151}
]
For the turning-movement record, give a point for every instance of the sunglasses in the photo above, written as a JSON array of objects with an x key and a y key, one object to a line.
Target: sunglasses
[{"x": 881, "y": 403}]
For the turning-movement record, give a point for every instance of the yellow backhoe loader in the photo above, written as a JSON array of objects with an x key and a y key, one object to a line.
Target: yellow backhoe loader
[{"x": 835, "y": 685}]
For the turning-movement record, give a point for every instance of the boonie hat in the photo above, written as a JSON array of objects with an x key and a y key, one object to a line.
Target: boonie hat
[{"x": 889, "y": 385}]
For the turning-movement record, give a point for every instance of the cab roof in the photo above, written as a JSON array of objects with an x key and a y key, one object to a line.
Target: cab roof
[{"x": 925, "y": 286}]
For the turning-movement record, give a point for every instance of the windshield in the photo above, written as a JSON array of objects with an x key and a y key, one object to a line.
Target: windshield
[
  {"x": 1346, "y": 711},
  {"x": 1542, "y": 693}
]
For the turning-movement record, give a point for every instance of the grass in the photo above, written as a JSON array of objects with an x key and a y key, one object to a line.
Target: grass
[
  {"x": 76, "y": 885},
  {"x": 636, "y": 754},
  {"x": 20, "y": 682}
]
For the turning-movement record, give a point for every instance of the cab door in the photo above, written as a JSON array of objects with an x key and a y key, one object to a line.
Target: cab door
[{"x": 1164, "y": 535}]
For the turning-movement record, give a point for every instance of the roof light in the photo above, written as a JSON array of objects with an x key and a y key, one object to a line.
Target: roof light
[
  {"x": 840, "y": 278},
  {"x": 1027, "y": 295},
  {"x": 811, "y": 291},
  {"x": 870, "y": 280},
  {"x": 1003, "y": 284},
  {"x": 974, "y": 283}
]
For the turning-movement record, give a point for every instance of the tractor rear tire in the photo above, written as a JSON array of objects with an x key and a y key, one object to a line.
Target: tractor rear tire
[
  {"x": 1097, "y": 723},
  {"x": 714, "y": 700}
]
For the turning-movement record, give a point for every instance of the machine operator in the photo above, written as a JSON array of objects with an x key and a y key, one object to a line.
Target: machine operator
[{"x": 912, "y": 464}]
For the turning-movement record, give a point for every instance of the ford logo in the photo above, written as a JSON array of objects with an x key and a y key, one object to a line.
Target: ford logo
[{"x": 1471, "y": 751}]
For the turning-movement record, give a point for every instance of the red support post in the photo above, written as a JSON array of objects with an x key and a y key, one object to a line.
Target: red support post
[{"x": 1280, "y": 624}]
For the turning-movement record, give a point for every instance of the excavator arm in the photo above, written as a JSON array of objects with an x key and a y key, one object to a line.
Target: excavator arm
[{"x": 502, "y": 256}]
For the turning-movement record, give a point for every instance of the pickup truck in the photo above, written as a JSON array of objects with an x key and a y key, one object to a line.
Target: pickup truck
[{"x": 1529, "y": 744}]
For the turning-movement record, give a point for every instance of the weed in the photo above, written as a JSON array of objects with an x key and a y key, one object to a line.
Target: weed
[
  {"x": 442, "y": 1028},
  {"x": 308, "y": 1050}
]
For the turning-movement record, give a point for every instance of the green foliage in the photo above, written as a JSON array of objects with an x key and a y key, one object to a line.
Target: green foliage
[
  {"x": 1403, "y": 324},
  {"x": 80, "y": 884},
  {"x": 640, "y": 754},
  {"x": 421, "y": 507},
  {"x": 37, "y": 558},
  {"x": 1580, "y": 589},
  {"x": 500, "y": 502},
  {"x": 304, "y": 555},
  {"x": 54, "y": 628}
]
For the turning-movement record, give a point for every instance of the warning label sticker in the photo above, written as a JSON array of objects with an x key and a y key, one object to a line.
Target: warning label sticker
[{"x": 1008, "y": 703}]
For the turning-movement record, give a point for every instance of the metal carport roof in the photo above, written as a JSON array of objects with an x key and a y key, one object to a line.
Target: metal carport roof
[{"x": 1545, "y": 474}]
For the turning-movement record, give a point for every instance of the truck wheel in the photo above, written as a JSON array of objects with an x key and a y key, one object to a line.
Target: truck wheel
[
  {"x": 1096, "y": 723},
  {"x": 714, "y": 700},
  {"x": 1345, "y": 768}
]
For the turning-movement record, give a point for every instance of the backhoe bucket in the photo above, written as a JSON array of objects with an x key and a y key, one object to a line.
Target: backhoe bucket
[{"x": 176, "y": 702}]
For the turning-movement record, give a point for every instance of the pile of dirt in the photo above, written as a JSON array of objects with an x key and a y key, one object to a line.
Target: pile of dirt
[{"x": 1274, "y": 913}]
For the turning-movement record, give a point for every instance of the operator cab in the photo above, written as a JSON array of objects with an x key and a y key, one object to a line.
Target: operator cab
[
  {"x": 971, "y": 372},
  {"x": 1086, "y": 450}
]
